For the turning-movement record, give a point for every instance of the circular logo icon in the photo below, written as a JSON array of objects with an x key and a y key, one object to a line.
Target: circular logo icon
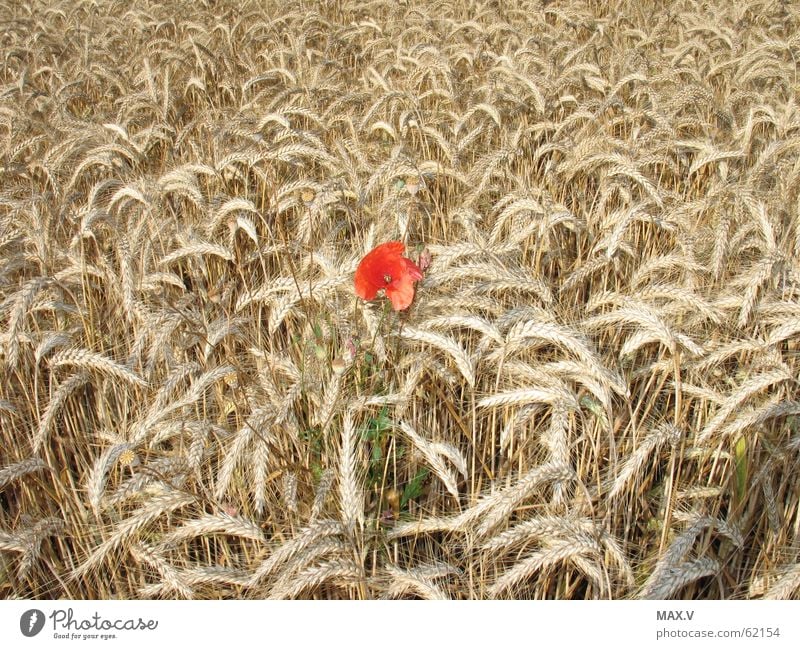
[{"x": 31, "y": 622}]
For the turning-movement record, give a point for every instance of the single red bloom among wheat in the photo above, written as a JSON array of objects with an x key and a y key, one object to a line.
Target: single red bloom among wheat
[{"x": 385, "y": 268}]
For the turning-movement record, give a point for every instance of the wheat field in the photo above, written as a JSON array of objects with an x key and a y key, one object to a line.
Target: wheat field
[{"x": 594, "y": 394}]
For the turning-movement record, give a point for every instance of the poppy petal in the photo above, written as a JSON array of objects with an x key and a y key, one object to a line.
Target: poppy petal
[
  {"x": 365, "y": 289},
  {"x": 401, "y": 294},
  {"x": 390, "y": 248},
  {"x": 412, "y": 270},
  {"x": 381, "y": 261},
  {"x": 384, "y": 267}
]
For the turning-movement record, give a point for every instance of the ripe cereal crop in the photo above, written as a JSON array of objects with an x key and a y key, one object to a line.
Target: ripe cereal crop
[{"x": 591, "y": 393}]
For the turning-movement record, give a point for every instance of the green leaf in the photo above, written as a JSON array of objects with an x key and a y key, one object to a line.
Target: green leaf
[
  {"x": 377, "y": 454},
  {"x": 414, "y": 487},
  {"x": 596, "y": 408},
  {"x": 382, "y": 422},
  {"x": 377, "y": 425}
]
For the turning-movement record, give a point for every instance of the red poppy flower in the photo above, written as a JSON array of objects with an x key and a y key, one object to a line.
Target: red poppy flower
[{"x": 385, "y": 268}]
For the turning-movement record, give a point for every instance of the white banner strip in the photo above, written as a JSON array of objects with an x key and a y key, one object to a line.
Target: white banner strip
[{"x": 384, "y": 625}]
